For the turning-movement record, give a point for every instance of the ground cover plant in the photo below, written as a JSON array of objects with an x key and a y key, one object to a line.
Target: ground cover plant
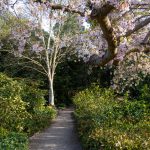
[{"x": 105, "y": 122}]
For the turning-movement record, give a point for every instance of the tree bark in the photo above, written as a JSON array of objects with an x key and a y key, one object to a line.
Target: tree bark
[{"x": 51, "y": 93}]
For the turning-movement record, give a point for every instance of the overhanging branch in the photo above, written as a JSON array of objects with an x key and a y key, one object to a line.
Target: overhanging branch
[
  {"x": 101, "y": 15},
  {"x": 108, "y": 32},
  {"x": 138, "y": 27},
  {"x": 65, "y": 8},
  {"x": 146, "y": 38}
]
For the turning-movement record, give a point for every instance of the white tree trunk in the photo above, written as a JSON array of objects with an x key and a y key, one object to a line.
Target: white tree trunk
[{"x": 51, "y": 93}]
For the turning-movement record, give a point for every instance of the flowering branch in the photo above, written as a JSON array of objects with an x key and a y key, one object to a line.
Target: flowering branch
[
  {"x": 110, "y": 37},
  {"x": 66, "y": 8},
  {"x": 100, "y": 12},
  {"x": 138, "y": 27}
]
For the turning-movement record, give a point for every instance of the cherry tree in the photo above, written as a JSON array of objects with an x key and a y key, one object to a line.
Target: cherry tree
[
  {"x": 123, "y": 27},
  {"x": 117, "y": 28}
]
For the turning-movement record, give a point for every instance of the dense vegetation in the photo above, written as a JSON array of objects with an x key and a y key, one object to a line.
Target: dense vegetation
[
  {"x": 22, "y": 112},
  {"x": 52, "y": 51},
  {"x": 105, "y": 121}
]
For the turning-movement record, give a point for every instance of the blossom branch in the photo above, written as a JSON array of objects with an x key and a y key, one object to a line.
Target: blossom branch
[
  {"x": 66, "y": 8},
  {"x": 146, "y": 38},
  {"x": 110, "y": 37},
  {"x": 138, "y": 27},
  {"x": 107, "y": 29}
]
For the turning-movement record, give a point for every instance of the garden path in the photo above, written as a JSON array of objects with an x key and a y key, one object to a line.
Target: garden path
[{"x": 60, "y": 135}]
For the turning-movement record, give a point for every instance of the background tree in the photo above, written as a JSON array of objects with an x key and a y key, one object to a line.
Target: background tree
[{"x": 47, "y": 48}]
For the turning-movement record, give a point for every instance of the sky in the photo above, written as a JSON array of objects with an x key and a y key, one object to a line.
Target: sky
[{"x": 21, "y": 8}]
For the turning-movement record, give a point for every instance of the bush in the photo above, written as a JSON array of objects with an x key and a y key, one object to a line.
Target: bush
[
  {"x": 40, "y": 119},
  {"x": 104, "y": 122},
  {"x": 145, "y": 93},
  {"x": 13, "y": 141},
  {"x": 3, "y": 132},
  {"x": 32, "y": 95},
  {"x": 13, "y": 110},
  {"x": 21, "y": 110},
  {"x": 41, "y": 115}
]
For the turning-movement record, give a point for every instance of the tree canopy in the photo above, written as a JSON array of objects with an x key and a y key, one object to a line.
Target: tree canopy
[{"x": 123, "y": 26}]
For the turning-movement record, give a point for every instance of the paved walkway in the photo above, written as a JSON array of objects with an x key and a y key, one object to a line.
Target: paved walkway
[{"x": 59, "y": 136}]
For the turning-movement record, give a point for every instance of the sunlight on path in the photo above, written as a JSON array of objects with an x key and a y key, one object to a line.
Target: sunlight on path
[{"x": 60, "y": 136}]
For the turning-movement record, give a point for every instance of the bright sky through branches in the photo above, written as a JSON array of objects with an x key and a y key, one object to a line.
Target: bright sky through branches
[{"x": 21, "y": 9}]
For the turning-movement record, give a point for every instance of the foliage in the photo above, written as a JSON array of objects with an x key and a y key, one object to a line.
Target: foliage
[
  {"x": 145, "y": 93},
  {"x": 73, "y": 76},
  {"x": 12, "y": 140},
  {"x": 13, "y": 110},
  {"x": 33, "y": 95},
  {"x": 131, "y": 72},
  {"x": 41, "y": 118},
  {"x": 112, "y": 41},
  {"x": 71, "y": 25},
  {"x": 107, "y": 123},
  {"x": 22, "y": 110},
  {"x": 120, "y": 33},
  {"x": 7, "y": 21},
  {"x": 41, "y": 114},
  {"x": 3, "y": 132}
]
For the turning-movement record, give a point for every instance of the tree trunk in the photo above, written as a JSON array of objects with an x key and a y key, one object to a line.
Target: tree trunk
[{"x": 51, "y": 93}]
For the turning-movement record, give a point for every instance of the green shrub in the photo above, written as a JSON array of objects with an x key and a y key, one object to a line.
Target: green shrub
[
  {"x": 14, "y": 141},
  {"x": 22, "y": 106},
  {"x": 3, "y": 132},
  {"x": 12, "y": 109},
  {"x": 40, "y": 119},
  {"x": 21, "y": 110},
  {"x": 104, "y": 122},
  {"x": 145, "y": 93},
  {"x": 32, "y": 95}
]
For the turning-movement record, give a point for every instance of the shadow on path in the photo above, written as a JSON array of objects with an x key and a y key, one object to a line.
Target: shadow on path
[{"x": 60, "y": 135}]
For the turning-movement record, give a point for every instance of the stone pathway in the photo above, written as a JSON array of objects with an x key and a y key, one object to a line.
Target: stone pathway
[{"x": 60, "y": 135}]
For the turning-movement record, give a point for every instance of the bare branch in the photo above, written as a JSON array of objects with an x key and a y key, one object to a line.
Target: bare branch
[
  {"x": 64, "y": 8},
  {"x": 138, "y": 49},
  {"x": 138, "y": 27},
  {"x": 67, "y": 9},
  {"x": 141, "y": 17},
  {"x": 140, "y": 6},
  {"x": 28, "y": 58},
  {"x": 146, "y": 38},
  {"x": 34, "y": 69}
]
